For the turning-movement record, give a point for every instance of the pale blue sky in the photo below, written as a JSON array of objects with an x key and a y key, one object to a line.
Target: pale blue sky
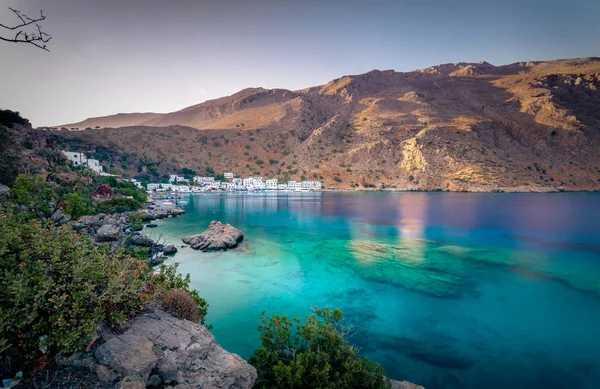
[{"x": 114, "y": 56}]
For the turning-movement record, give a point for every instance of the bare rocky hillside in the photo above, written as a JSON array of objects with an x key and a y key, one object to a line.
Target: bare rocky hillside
[{"x": 528, "y": 126}]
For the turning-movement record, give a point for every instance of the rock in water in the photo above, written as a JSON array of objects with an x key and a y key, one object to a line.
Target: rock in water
[
  {"x": 170, "y": 250},
  {"x": 217, "y": 237}
]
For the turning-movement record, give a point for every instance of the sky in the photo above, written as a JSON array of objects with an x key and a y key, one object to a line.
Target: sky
[{"x": 112, "y": 56}]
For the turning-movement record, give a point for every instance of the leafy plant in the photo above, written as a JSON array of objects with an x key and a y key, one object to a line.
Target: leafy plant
[
  {"x": 57, "y": 287},
  {"x": 314, "y": 354}
]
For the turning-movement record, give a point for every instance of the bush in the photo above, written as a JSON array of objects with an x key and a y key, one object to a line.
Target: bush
[
  {"x": 8, "y": 118},
  {"x": 312, "y": 355},
  {"x": 75, "y": 205},
  {"x": 119, "y": 205},
  {"x": 181, "y": 304},
  {"x": 56, "y": 288},
  {"x": 34, "y": 194},
  {"x": 337, "y": 179}
]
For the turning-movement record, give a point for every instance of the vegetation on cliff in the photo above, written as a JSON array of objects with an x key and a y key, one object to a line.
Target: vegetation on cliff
[{"x": 313, "y": 354}]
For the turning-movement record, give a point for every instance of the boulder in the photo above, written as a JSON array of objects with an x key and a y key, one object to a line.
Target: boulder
[
  {"x": 405, "y": 385},
  {"x": 151, "y": 225},
  {"x": 107, "y": 233},
  {"x": 159, "y": 350},
  {"x": 147, "y": 217},
  {"x": 60, "y": 217},
  {"x": 87, "y": 222},
  {"x": 141, "y": 240},
  {"x": 217, "y": 237},
  {"x": 170, "y": 250}
]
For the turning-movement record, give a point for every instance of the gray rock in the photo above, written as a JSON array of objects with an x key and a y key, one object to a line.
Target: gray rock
[
  {"x": 107, "y": 233},
  {"x": 86, "y": 222},
  {"x": 153, "y": 382},
  {"x": 59, "y": 217},
  {"x": 217, "y": 237},
  {"x": 4, "y": 190},
  {"x": 170, "y": 250},
  {"x": 141, "y": 240},
  {"x": 147, "y": 217},
  {"x": 404, "y": 385},
  {"x": 178, "y": 352},
  {"x": 151, "y": 225}
]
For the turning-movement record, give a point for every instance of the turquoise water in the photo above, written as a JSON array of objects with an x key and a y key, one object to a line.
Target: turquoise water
[{"x": 445, "y": 290}]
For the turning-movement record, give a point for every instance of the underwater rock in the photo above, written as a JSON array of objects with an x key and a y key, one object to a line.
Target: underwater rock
[{"x": 218, "y": 237}]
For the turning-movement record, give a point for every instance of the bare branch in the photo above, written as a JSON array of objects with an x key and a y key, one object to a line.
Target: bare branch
[{"x": 37, "y": 38}]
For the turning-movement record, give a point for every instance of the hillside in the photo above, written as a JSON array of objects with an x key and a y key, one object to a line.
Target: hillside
[{"x": 531, "y": 126}]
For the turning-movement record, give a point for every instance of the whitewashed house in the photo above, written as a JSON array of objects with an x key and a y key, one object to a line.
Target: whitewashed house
[
  {"x": 291, "y": 185},
  {"x": 282, "y": 186},
  {"x": 311, "y": 185},
  {"x": 229, "y": 175},
  {"x": 77, "y": 159},
  {"x": 181, "y": 188},
  {"x": 203, "y": 180},
  {"x": 94, "y": 164},
  {"x": 271, "y": 184}
]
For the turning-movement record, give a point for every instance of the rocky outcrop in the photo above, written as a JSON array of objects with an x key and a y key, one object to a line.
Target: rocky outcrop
[
  {"x": 143, "y": 241},
  {"x": 405, "y": 385},
  {"x": 159, "y": 350},
  {"x": 170, "y": 250},
  {"x": 218, "y": 237},
  {"x": 107, "y": 233}
]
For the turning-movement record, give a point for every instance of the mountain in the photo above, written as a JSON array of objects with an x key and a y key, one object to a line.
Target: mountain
[
  {"x": 118, "y": 120},
  {"x": 532, "y": 126}
]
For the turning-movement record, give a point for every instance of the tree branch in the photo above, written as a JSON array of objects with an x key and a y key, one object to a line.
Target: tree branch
[{"x": 36, "y": 38}]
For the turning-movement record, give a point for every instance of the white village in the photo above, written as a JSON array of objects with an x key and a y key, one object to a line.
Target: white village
[{"x": 180, "y": 184}]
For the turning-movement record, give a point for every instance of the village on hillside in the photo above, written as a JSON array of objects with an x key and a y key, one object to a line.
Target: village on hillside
[{"x": 230, "y": 182}]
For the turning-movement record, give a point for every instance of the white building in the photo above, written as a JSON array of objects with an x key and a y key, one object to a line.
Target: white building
[
  {"x": 203, "y": 180},
  {"x": 282, "y": 187},
  {"x": 271, "y": 184},
  {"x": 80, "y": 159},
  {"x": 229, "y": 175},
  {"x": 311, "y": 184},
  {"x": 77, "y": 159},
  {"x": 174, "y": 178},
  {"x": 94, "y": 164},
  {"x": 159, "y": 187},
  {"x": 136, "y": 183},
  {"x": 291, "y": 185},
  {"x": 181, "y": 188}
]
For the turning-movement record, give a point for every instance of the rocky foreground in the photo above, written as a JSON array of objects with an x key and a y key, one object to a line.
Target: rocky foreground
[
  {"x": 158, "y": 350},
  {"x": 218, "y": 237}
]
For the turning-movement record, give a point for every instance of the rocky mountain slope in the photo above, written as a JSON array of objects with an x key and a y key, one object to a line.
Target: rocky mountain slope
[{"x": 531, "y": 126}]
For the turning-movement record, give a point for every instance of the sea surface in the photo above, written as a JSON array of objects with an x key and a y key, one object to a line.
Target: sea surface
[{"x": 447, "y": 290}]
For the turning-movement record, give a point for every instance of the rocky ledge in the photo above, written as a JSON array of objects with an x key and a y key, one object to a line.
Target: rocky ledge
[
  {"x": 218, "y": 237},
  {"x": 160, "y": 350}
]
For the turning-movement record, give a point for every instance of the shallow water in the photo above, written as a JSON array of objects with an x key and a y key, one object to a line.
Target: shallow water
[{"x": 445, "y": 290}]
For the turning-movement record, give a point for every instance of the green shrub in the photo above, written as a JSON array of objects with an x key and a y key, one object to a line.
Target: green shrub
[
  {"x": 34, "y": 194},
  {"x": 119, "y": 205},
  {"x": 75, "y": 205},
  {"x": 337, "y": 179},
  {"x": 56, "y": 288},
  {"x": 312, "y": 355}
]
